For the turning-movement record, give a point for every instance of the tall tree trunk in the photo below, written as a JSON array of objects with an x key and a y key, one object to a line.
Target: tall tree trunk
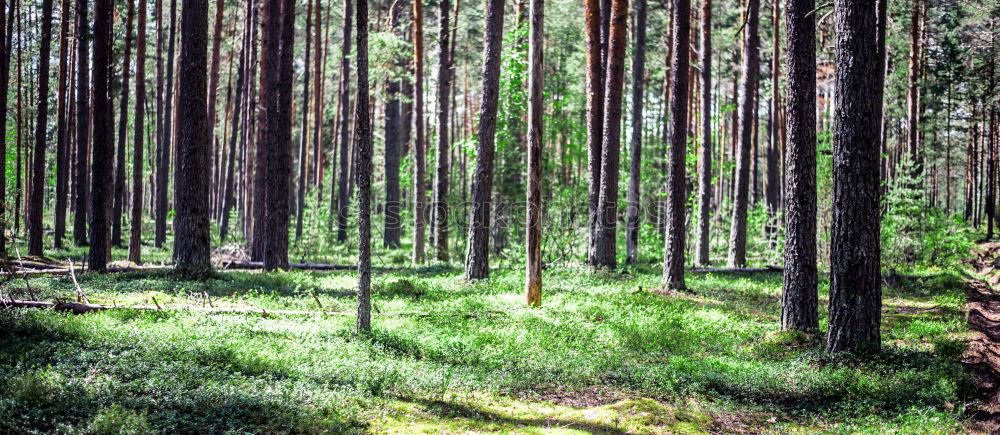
[
  {"x": 35, "y": 202},
  {"x": 103, "y": 134},
  {"x": 62, "y": 133},
  {"x": 799, "y": 293},
  {"x": 855, "y": 276},
  {"x": 595, "y": 116},
  {"x": 391, "y": 233},
  {"x": 163, "y": 159},
  {"x": 138, "y": 145},
  {"x": 343, "y": 195},
  {"x": 319, "y": 71},
  {"x": 119, "y": 199},
  {"x": 705, "y": 153},
  {"x": 241, "y": 84},
  {"x": 160, "y": 122},
  {"x": 82, "y": 121},
  {"x": 304, "y": 130},
  {"x": 607, "y": 203},
  {"x": 635, "y": 166},
  {"x": 536, "y": 109},
  {"x": 477, "y": 264},
  {"x": 192, "y": 242},
  {"x": 772, "y": 190},
  {"x": 213, "y": 93},
  {"x": 364, "y": 174},
  {"x": 443, "y": 144},
  {"x": 748, "y": 92},
  {"x": 912, "y": 93},
  {"x": 419, "y": 149},
  {"x": 673, "y": 263}
]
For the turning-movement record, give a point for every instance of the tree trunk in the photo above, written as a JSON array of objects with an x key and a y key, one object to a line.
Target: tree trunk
[
  {"x": 228, "y": 197},
  {"x": 855, "y": 276},
  {"x": 673, "y": 263},
  {"x": 772, "y": 190},
  {"x": 912, "y": 93},
  {"x": 119, "y": 199},
  {"x": 638, "y": 90},
  {"x": 533, "y": 286},
  {"x": 213, "y": 88},
  {"x": 62, "y": 133},
  {"x": 419, "y": 150},
  {"x": 748, "y": 92},
  {"x": 443, "y": 144},
  {"x": 319, "y": 71},
  {"x": 304, "y": 130},
  {"x": 345, "y": 141},
  {"x": 364, "y": 174},
  {"x": 160, "y": 122},
  {"x": 35, "y": 202},
  {"x": 103, "y": 134},
  {"x": 163, "y": 159},
  {"x": 391, "y": 233},
  {"x": 595, "y": 116},
  {"x": 705, "y": 153},
  {"x": 607, "y": 203},
  {"x": 477, "y": 264},
  {"x": 82, "y": 121},
  {"x": 138, "y": 146},
  {"x": 799, "y": 294}
]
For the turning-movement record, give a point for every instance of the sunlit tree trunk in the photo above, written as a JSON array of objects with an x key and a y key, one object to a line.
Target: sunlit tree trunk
[
  {"x": 440, "y": 200},
  {"x": 635, "y": 166},
  {"x": 595, "y": 116},
  {"x": 673, "y": 262},
  {"x": 119, "y": 200},
  {"x": 82, "y": 121},
  {"x": 705, "y": 152},
  {"x": 364, "y": 174},
  {"x": 533, "y": 287},
  {"x": 62, "y": 125},
  {"x": 748, "y": 92},
  {"x": 138, "y": 145},
  {"x": 345, "y": 114}
]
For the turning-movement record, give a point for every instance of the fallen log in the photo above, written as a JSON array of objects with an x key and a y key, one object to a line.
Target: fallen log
[
  {"x": 258, "y": 265},
  {"x": 78, "y": 269},
  {"x": 738, "y": 269}
]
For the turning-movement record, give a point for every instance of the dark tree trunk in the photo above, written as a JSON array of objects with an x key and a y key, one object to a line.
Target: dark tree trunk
[
  {"x": 533, "y": 286},
  {"x": 595, "y": 116},
  {"x": 748, "y": 92},
  {"x": 343, "y": 195},
  {"x": 6, "y": 38},
  {"x": 391, "y": 233},
  {"x": 443, "y": 144},
  {"x": 138, "y": 146},
  {"x": 419, "y": 149},
  {"x": 82, "y": 121},
  {"x": 705, "y": 152},
  {"x": 160, "y": 122},
  {"x": 673, "y": 263},
  {"x": 103, "y": 146},
  {"x": 477, "y": 265},
  {"x": 279, "y": 169},
  {"x": 319, "y": 71},
  {"x": 35, "y": 202},
  {"x": 855, "y": 277},
  {"x": 192, "y": 242},
  {"x": 62, "y": 127},
  {"x": 270, "y": 80},
  {"x": 799, "y": 294},
  {"x": 607, "y": 203},
  {"x": 638, "y": 90},
  {"x": 163, "y": 159},
  {"x": 912, "y": 93},
  {"x": 213, "y": 87},
  {"x": 363, "y": 161},
  {"x": 119, "y": 199},
  {"x": 304, "y": 130},
  {"x": 228, "y": 197}
]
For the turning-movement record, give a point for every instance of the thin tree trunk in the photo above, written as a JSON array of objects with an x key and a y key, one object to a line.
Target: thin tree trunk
[
  {"x": 855, "y": 276},
  {"x": 82, "y": 121},
  {"x": 163, "y": 159},
  {"x": 705, "y": 153},
  {"x": 343, "y": 196},
  {"x": 241, "y": 84},
  {"x": 364, "y": 174},
  {"x": 477, "y": 264},
  {"x": 304, "y": 130},
  {"x": 35, "y": 200},
  {"x": 119, "y": 198},
  {"x": 673, "y": 263},
  {"x": 443, "y": 144},
  {"x": 391, "y": 232},
  {"x": 138, "y": 145},
  {"x": 62, "y": 133},
  {"x": 912, "y": 93},
  {"x": 799, "y": 293},
  {"x": 419, "y": 148},
  {"x": 213, "y": 93},
  {"x": 160, "y": 122},
  {"x": 595, "y": 116},
  {"x": 103, "y": 134},
  {"x": 192, "y": 242},
  {"x": 638, "y": 89},
  {"x": 533, "y": 286},
  {"x": 748, "y": 91}
]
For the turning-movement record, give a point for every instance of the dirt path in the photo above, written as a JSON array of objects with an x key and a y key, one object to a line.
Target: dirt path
[{"x": 982, "y": 358}]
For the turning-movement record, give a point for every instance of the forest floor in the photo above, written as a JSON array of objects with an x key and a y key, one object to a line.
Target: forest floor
[{"x": 605, "y": 353}]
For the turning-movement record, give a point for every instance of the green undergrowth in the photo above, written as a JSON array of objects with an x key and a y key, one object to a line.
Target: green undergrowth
[{"x": 605, "y": 353}]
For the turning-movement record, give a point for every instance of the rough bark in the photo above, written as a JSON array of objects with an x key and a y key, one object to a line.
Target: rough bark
[
  {"x": 477, "y": 264},
  {"x": 595, "y": 117},
  {"x": 419, "y": 150},
  {"x": 364, "y": 174},
  {"x": 440, "y": 201},
  {"x": 62, "y": 127},
  {"x": 103, "y": 147},
  {"x": 192, "y": 242},
  {"x": 748, "y": 91},
  {"x": 673, "y": 263},
  {"x": 705, "y": 149},
  {"x": 855, "y": 276},
  {"x": 35, "y": 202},
  {"x": 635, "y": 166},
  {"x": 343, "y": 195},
  {"x": 912, "y": 93},
  {"x": 607, "y": 204},
  {"x": 393, "y": 228},
  {"x": 164, "y": 151},
  {"x": 304, "y": 130},
  {"x": 213, "y": 80},
  {"x": 138, "y": 145},
  {"x": 82, "y": 121},
  {"x": 799, "y": 293},
  {"x": 119, "y": 200},
  {"x": 533, "y": 286},
  {"x": 228, "y": 197}
]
